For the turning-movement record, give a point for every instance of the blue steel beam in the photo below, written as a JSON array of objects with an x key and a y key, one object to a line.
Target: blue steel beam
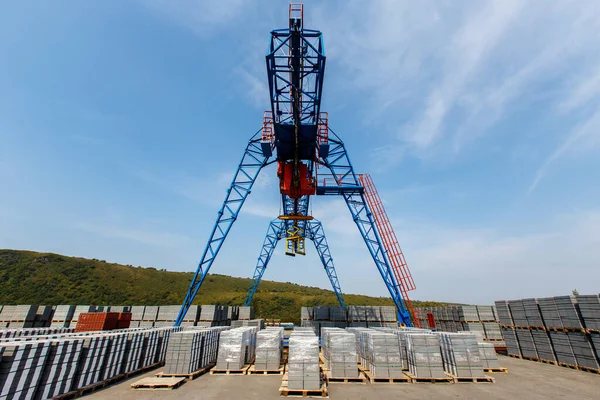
[
  {"x": 275, "y": 232},
  {"x": 252, "y": 162},
  {"x": 341, "y": 168},
  {"x": 317, "y": 235}
]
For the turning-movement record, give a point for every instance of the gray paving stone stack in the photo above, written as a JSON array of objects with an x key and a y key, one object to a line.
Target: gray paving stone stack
[
  {"x": 356, "y": 314},
  {"x": 517, "y": 311},
  {"x": 59, "y": 370},
  {"x": 21, "y": 368},
  {"x": 134, "y": 346},
  {"x": 492, "y": 330},
  {"x": 383, "y": 354},
  {"x": 512, "y": 343},
  {"x": 269, "y": 347},
  {"x": 303, "y": 361},
  {"x": 485, "y": 313},
  {"x": 503, "y": 313},
  {"x": 321, "y": 313},
  {"x": 6, "y": 315},
  {"x": 150, "y": 317},
  {"x": 22, "y": 316},
  {"x": 589, "y": 307},
  {"x": 315, "y": 326},
  {"x": 583, "y": 350},
  {"x": 567, "y": 309},
  {"x": 562, "y": 347},
  {"x": 210, "y": 313},
  {"x": 93, "y": 354},
  {"x": 116, "y": 348},
  {"x": 460, "y": 354},
  {"x": 526, "y": 343},
  {"x": 63, "y": 314},
  {"x": 487, "y": 352},
  {"x": 191, "y": 350},
  {"x": 595, "y": 340},
  {"x": 475, "y": 327},
  {"x": 246, "y": 312},
  {"x": 257, "y": 323},
  {"x": 236, "y": 348},
  {"x": 467, "y": 313},
  {"x": 543, "y": 345},
  {"x": 306, "y": 313},
  {"x": 549, "y": 312},
  {"x": 424, "y": 355},
  {"x": 358, "y": 340},
  {"x": 342, "y": 354},
  {"x": 43, "y": 316},
  {"x": 337, "y": 314},
  {"x": 137, "y": 315},
  {"x": 532, "y": 313}
]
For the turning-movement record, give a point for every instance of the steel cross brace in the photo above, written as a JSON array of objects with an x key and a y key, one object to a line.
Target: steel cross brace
[
  {"x": 275, "y": 232},
  {"x": 245, "y": 176}
]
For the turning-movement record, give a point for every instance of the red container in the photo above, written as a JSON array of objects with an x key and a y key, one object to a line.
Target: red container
[
  {"x": 124, "y": 320},
  {"x": 97, "y": 322}
]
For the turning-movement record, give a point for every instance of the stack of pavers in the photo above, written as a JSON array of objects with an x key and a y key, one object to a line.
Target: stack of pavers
[
  {"x": 389, "y": 316},
  {"x": 460, "y": 355},
  {"x": 63, "y": 314},
  {"x": 43, "y": 316},
  {"x": 245, "y": 312},
  {"x": 79, "y": 310},
  {"x": 137, "y": 315},
  {"x": 424, "y": 355},
  {"x": 269, "y": 346},
  {"x": 373, "y": 317},
  {"x": 236, "y": 348},
  {"x": 487, "y": 353},
  {"x": 257, "y": 323},
  {"x": 341, "y": 346},
  {"x": 303, "y": 361},
  {"x": 383, "y": 355},
  {"x": 338, "y": 316},
  {"x": 20, "y": 368},
  {"x": 210, "y": 315},
  {"x": 150, "y": 316},
  {"x": 21, "y": 316},
  {"x": 589, "y": 307},
  {"x": 59, "y": 371},
  {"x": 357, "y": 317},
  {"x": 191, "y": 350}
]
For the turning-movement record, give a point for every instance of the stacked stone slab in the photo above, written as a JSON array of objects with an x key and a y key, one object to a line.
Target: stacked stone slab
[
  {"x": 337, "y": 314},
  {"x": 503, "y": 313},
  {"x": 257, "y": 323},
  {"x": 549, "y": 313},
  {"x": 20, "y": 368},
  {"x": 492, "y": 330},
  {"x": 78, "y": 310},
  {"x": 543, "y": 345},
  {"x": 63, "y": 314},
  {"x": 562, "y": 347},
  {"x": 59, "y": 369},
  {"x": 568, "y": 312},
  {"x": 583, "y": 349},
  {"x": 236, "y": 348},
  {"x": 485, "y": 313},
  {"x": 532, "y": 313},
  {"x": 191, "y": 350},
  {"x": 150, "y": 316},
  {"x": 512, "y": 343},
  {"x": 424, "y": 355},
  {"x": 383, "y": 354},
  {"x": 137, "y": 315},
  {"x": 460, "y": 355},
  {"x": 167, "y": 315},
  {"x": 303, "y": 361},
  {"x": 589, "y": 307},
  {"x": 487, "y": 353},
  {"x": 481, "y": 319},
  {"x": 269, "y": 346},
  {"x": 20, "y": 316},
  {"x": 342, "y": 354},
  {"x": 517, "y": 311},
  {"x": 245, "y": 313}
]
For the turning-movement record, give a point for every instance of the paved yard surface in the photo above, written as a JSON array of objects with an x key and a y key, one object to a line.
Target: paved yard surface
[{"x": 526, "y": 379}]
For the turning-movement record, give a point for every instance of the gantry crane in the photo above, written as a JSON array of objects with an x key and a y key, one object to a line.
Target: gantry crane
[{"x": 311, "y": 160}]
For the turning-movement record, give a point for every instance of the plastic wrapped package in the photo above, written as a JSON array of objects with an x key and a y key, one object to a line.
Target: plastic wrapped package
[
  {"x": 303, "y": 361},
  {"x": 269, "y": 346},
  {"x": 236, "y": 348}
]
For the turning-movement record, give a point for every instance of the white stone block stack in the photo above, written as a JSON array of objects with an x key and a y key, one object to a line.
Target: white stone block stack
[
  {"x": 236, "y": 348},
  {"x": 269, "y": 346},
  {"x": 424, "y": 355},
  {"x": 303, "y": 361},
  {"x": 460, "y": 354}
]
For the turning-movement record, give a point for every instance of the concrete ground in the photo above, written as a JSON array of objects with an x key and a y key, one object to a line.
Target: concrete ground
[{"x": 526, "y": 379}]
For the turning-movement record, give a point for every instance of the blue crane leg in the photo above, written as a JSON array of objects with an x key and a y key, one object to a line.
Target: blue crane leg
[
  {"x": 317, "y": 235},
  {"x": 275, "y": 232},
  {"x": 245, "y": 176},
  {"x": 341, "y": 168}
]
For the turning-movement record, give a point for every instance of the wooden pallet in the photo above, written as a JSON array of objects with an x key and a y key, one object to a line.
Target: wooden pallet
[
  {"x": 537, "y": 328},
  {"x": 242, "y": 371},
  {"x": 187, "y": 377},
  {"x": 417, "y": 379},
  {"x": 157, "y": 383},
  {"x": 515, "y": 356},
  {"x": 496, "y": 370},
  {"x": 379, "y": 379},
  {"x": 286, "y": 392},
  {"x": 472, "y": 379},
  {"x": 348, "y": 379},
  {"x": 571, "y": 366},
  {"x": 321, "y": 358},
  {"x": 582, "y": 330},
  {"x": 253, "y": 371},
  {"x": 588, "y": 369}
]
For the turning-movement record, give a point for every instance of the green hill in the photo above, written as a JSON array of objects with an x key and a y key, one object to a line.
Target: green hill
[{"x": 28, "y": 277}]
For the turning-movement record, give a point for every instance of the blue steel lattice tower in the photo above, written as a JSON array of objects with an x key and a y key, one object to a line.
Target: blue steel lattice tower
[{"x": 295, "y": 134}]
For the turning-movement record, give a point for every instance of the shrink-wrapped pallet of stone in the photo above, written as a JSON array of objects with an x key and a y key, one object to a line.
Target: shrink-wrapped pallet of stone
[
  {"x": 257, "y": 323},
  {"x": 424, "y": 355},
  {"x": 269, "y": 345},
  {"x": 460, "y": 354},
  {"x": 303, "y": 361},
  {"x": 341, "y": 347},
  {"x": 236, "y": 348},
  {"x": 489, "y": 358},
  {"x": 21, "y": 366},
  {"x": 383, "y": 354}
]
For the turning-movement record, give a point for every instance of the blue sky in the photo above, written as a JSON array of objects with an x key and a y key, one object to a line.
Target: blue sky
[{"x": 121, "y": 124}]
